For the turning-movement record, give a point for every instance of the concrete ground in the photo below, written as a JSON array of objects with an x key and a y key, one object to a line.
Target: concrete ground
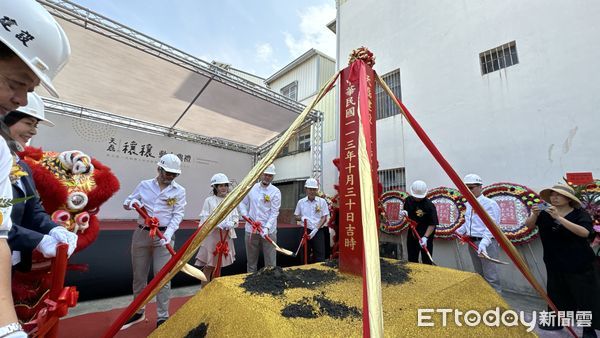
[{"x": 518, "y": 302}]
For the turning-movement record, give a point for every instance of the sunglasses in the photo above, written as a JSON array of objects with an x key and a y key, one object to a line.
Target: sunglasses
[
  {"x": 166, "y": 173},
  {"x": 471, "y": 187}
]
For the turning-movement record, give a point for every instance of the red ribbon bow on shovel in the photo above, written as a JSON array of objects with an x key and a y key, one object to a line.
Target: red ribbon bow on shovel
[
  {"x": 257, "y": 226},
  {"x": 222, "y": 249},
  {"x": 153, "y": 224}
]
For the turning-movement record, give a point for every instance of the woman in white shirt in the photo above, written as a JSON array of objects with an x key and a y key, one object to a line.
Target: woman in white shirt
[{"x": 217, "y": 250}]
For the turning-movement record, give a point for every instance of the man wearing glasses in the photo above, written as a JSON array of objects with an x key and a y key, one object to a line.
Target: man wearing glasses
[
  {"x": 164, "y": 199},
  {"x": 480, "y": 234}
]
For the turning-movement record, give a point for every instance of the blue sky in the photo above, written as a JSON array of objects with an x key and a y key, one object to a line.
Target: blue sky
[{"x": 259, "y": 37}]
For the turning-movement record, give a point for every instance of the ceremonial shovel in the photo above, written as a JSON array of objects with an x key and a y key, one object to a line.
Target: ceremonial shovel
[
  {"x": 152, "y": 223},
  {"x": 467, "y": 240},
  {"x": 413, "y": 226},
  {"x": 256, "y": 225}
]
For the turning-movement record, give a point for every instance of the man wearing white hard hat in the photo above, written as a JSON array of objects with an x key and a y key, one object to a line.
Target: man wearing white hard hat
[
  {"x": 164, "y": 199},
  {"x": 32, "y": 227},
  {"x": 314, "y": 210},
  {"x": 420, "y": 209},
  {"x": 33, "y": 49},
  {"x": 479, "y": 234},
  {"x": 262, "y": 205}
]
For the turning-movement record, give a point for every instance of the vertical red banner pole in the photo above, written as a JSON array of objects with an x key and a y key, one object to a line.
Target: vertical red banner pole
[{"x": 357, "y": 189}]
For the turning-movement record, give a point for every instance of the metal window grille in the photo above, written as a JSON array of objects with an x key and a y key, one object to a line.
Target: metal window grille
[
  {"x": 304, "y": 142},
  {"x": 498, "y": 58},
  {"x": 385, "y": 105},
  {"x": 291, "y": 91},
  {"x": 392, "y": 179}
]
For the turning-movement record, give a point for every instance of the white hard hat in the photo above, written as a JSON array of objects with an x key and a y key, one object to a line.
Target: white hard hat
[
  {"x": 35, "y": 109},
  {"x": 311, "y": 183},
  {"x": 219, "y": 179},
  {"x": 418, "y": 189},
  {"x": 472, "y": 179},
  {"x": 170, "y": 163},
  {"x": 270, "y": 170},
  {"x": 35, "y": 37}
]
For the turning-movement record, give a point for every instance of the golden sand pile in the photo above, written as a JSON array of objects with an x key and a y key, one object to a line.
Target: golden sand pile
[{"x": 224, "y": 309}]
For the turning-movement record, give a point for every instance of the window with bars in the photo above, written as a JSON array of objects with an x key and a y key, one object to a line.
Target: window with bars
[
  {"x": 498, "y": 58},
  {"x": 392, "y": 179},
  {"x": 291, "y": 91},
  {"x": 304, "y": 142},
  {"x": 385, "y": 105}
]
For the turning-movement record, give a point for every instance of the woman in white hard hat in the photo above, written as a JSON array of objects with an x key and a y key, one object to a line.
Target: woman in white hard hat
[
  {"x": 564, "y": 229},
  {"x": 33, "y": 49},
  {"x": 32, "y": 227},
  {"x": 421, "y": 210},
  {"x": 217, "y": 250}
]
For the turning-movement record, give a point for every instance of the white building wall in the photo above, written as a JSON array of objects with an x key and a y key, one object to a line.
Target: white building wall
[
  {"x": 294, "y": 166},
  {"x": 305, "y": 74},
  {"x": 529, "y": 123}
]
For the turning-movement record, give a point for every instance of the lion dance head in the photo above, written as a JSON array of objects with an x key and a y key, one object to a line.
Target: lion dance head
[{"x": 72, "y": 187}]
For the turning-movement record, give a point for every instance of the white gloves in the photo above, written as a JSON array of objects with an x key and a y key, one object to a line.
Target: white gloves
[
  {"x": 403, "y": 213},
  {"x": 62, "y": 235},
  {"x": 313, "y": 233},
  {"x": 17, "y": 334},
  {"x": 47, "y": 246},
  {"x": 482, "y": 249},
  {"x": 265, "y": 232},
  {"x": 423, "y": 241},
  {"x": 461, "y": 231},
  {"x": 129, "y": 205},
  {"x": 167, "y": 234}
]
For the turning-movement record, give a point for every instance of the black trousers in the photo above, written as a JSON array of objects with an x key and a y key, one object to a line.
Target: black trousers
[
  {"x": 317, "y": 245},
  {"x": 575, "y": 292},
  {"x": 413, "y": 248}
]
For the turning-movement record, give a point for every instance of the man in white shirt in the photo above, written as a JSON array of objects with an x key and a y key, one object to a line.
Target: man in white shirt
[
  {"x": 480, "y": 234},
  {"x": 315, "y": 211},
  {"x": 164, "y": 199},
  {"x": 262, "y": 205},
  {"x": 33, "y": 49}
]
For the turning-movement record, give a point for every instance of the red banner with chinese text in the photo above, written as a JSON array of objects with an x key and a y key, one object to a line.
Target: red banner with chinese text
[{"x": 354, "y": 85}]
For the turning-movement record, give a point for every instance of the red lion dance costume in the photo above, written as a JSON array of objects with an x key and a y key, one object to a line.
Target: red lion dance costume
[{"x": 72, "y": 187}]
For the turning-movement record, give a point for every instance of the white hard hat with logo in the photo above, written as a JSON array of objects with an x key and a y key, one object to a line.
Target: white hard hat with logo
[
  {"x": 270, "y": 170},
  {"x": 472, "y": 179},
  {"x": 418, "y": 189},
  {"x": 311, "y": 183},
  {"x": 219, "y": 179},
  {"x": 35, "y": 109},
  {"x": 170, "y": 163},
  {"x": 35, "y": 37}
]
